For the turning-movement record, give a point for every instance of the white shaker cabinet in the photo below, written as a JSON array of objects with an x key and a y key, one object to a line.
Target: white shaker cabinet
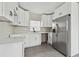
[
  {"x": 20, "y": 16},
  {"x": 32, "y": 39},
  {"x": 6, "y": 11},
  {"x": 49, "y": 21},
  {"x": 27, "y": 20},
  {"x": 11, "y": 50},
  {"x": 0, "y": 8},
  {"x": 50, "y": 38},
  {"x": 43, "y": 20},
  {"x": 64, "y": 9},
  {"x": 46, "y": 21},
  {"x": 35, "y": 39},
  {"x": 23, "y": 17},
  {"x": 9, "y": 11}
]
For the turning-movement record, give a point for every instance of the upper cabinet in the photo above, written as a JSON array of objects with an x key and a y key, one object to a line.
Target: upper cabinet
[
  {"x": 46, "y": 21},
  {"x": 6, "y": 11},
  {"x": 64, "y": 9},
  {"x": 23, "y": 17},
  {"x": 0, "y": 9},
  {"x": 10, "y": 12}
]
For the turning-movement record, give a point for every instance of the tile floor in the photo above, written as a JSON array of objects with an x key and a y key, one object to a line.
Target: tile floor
[{"x": 44, "y": 50}]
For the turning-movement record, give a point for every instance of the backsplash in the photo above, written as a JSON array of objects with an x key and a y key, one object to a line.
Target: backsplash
[
  {"x": 21, "y": 30},
  {"x": 5, "y": 30},
  {"x": 45, "y": 29}
]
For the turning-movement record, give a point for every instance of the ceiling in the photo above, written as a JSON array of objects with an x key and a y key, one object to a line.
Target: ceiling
[{"x": 40, "y": 7}]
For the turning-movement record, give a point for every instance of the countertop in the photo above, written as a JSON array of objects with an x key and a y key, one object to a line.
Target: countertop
[{"x": 17, "y": 40}]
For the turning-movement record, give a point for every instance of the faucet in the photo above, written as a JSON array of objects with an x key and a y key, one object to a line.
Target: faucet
[{"x": 33, "y": 29}]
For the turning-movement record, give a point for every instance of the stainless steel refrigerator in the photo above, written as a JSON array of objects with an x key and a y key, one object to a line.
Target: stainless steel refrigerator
[{"x": 61, "y": 31}]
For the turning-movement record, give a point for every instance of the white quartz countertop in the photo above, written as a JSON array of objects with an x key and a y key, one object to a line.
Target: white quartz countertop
[{"x": 11, "y": 40}]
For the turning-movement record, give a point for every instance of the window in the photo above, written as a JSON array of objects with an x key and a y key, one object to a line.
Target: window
[{"x": 34, "y": 25}]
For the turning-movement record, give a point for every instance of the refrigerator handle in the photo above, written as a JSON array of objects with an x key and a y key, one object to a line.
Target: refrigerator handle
[{"x": 57, "y": 29}]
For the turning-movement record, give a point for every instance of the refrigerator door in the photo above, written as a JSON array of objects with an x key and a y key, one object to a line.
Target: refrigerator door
[
  {"x": 55, "y": 36},
  {"x": 61, "y": 34}
]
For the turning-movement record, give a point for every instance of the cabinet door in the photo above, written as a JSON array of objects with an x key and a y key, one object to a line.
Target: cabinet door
[
  {"x": 34, "y": 40},
  {"x": 27, "y": 41},
  {"x": 0, "y": 8},
  {"x": 8, "y": 10},
  {"x": 11, "y": 50},
  {"x": 30, "y": 41},
  {"x": 62, "y": 10},
  {"x": 27, "y": 20},
  {"x": 43, "y": 22},
  {"x": 20, "y": 16},
  {"x": 54, "y": 38},
  {"x": 49, "y": 21},
  {"x": 46, "y": 21},
  {"x": 50, "y": 38},
  {"x": 38, "y": 39},
  {"x": 23, "y": 17}
]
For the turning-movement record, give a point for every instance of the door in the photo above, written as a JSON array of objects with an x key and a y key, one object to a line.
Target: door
[{"x": 61, "y": 34}]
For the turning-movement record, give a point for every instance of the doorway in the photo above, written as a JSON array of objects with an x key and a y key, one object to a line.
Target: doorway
[{"x": 44, "y": 38}]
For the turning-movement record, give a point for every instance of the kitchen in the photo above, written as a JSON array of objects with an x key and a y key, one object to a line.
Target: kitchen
[{"x": 27, "y": 29}]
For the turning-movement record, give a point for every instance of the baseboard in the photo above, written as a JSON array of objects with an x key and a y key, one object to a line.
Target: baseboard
[{"x": 77, "y": 55}]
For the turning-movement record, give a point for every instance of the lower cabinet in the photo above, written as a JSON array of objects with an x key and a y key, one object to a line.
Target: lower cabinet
[
  {"x": 33, "y": 39},
  {"x": 12, "y": 50},
  {"x": 50, "y": 38}
]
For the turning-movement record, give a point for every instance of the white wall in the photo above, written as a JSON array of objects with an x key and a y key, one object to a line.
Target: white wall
[{"x": 74, "y": 29}]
